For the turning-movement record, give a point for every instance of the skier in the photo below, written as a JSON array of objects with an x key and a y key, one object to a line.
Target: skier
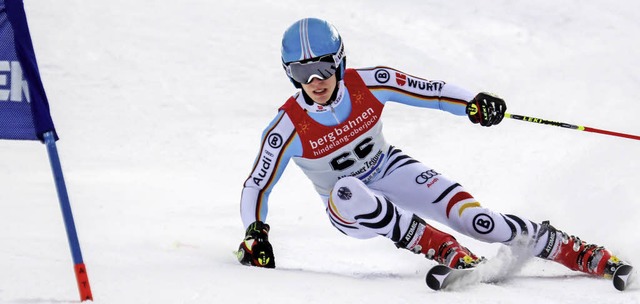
[{"x": 331, "y": 128}]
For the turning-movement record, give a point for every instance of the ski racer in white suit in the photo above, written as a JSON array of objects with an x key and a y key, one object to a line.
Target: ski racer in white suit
[{"x": 332, "y": 130}]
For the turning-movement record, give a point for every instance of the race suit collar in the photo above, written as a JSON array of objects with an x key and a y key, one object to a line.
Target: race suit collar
[{"x": 317, "y": 108}]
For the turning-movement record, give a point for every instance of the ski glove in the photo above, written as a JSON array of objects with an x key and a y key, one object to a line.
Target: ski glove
[
  {"x": 486, "y": 109},
  {"x": 256, "y": 250}
]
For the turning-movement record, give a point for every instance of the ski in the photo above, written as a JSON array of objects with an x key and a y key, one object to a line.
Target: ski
[
  {"x": 440, "y": 277},
  {"x": 621, "y": 277}
]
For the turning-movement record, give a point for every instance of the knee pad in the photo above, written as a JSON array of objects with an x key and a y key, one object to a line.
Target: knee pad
[
  {"x": 358, "y": 211},
  {"x": 344, "y": 205},
  {"x": 350, "y": 197}
]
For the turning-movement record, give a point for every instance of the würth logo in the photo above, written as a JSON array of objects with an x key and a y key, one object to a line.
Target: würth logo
[{"x": 401, "y": 79}]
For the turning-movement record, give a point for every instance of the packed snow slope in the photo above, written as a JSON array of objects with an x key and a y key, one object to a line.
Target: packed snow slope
[{"x": 160, "y": 106}]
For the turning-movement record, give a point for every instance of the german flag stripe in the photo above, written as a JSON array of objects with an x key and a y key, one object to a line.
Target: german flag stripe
[
  {"x": 458, "y": 197},
  {"x": 263, "y": 141},
  {"x": 336, "y": 215},
  {"x": 422, "y": 97},
  {"x": 277, "y": 162}
]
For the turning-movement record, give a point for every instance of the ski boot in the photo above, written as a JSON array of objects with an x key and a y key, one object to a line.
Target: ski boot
[
  {"x": 577, "y": 255},
  {"x": 437, "y": 245}
]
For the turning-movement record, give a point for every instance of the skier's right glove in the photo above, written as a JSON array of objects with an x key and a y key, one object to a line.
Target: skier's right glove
[{"x": 256, "y": 250}]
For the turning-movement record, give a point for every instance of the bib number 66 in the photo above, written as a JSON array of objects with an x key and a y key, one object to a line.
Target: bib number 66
[{"x": 346, "y": 160}]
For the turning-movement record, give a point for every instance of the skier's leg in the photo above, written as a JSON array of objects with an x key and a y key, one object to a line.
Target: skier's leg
[
  {"x": 359, "y": 212},
  {"x": 413, "y": 186},
  {"x": 431, "y": 195}
]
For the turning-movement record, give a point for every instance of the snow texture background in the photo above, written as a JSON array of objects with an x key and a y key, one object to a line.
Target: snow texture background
[{"x": 160, "y": 106}]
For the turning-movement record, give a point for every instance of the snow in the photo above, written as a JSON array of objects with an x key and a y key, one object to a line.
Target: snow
[{"x": 160, "y": 106}]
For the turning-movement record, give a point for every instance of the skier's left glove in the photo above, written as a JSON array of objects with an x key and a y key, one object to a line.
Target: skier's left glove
[
  {"x": 256, "y": 250},
  {"x": 486, "y": 109}
]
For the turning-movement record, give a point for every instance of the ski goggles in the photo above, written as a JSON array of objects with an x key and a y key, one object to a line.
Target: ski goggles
[{"x": 321, "y": 67}]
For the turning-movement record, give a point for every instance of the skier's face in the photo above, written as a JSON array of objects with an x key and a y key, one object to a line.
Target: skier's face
[{"x": 320, "y": 90}]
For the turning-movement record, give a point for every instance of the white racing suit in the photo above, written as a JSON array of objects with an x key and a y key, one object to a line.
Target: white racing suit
[{"x": 369, "y": 187}]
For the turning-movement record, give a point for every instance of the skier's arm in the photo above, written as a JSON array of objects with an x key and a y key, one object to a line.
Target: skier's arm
[
  {"x": 388, "y": 84},
  {"x": 279, "y": 143}
]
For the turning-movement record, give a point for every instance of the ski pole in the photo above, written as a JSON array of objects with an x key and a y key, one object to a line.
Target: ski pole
[{"x": 569, "y": 126}]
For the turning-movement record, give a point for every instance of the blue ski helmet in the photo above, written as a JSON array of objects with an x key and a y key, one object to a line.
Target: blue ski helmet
[{"x": 312, "y": 48}]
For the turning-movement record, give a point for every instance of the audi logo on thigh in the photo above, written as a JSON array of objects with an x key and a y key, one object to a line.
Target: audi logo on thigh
[{"x": 426, "y": 176}]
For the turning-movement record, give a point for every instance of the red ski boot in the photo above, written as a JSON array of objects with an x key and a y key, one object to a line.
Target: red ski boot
[
  {"x": 577, "y": 255},
  {"x": 437, "y": 245}
]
